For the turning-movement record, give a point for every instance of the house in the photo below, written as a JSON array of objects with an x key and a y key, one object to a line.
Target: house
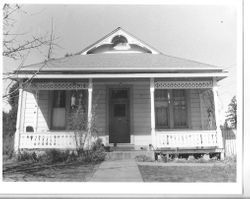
[{"x": 138, "y": 96}]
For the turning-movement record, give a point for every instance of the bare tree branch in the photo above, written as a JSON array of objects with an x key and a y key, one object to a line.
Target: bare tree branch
[{"x": 14, "y": 49}]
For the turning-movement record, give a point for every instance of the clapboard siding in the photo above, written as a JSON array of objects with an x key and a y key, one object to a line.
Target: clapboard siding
[
  {"x": 141, "y": 110},
  {"x": 43, "y": 111},
  {"x": 30, "y": 109},
  {"x": 36, "y": 110},
  {"x": 195, "y": 108}
]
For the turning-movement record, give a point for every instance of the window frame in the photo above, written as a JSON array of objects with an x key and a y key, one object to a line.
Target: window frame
[
  {"x": 52, "y": 127},
  {"x": 170, "y": 112},
  {"x": 67, "y": 105}
]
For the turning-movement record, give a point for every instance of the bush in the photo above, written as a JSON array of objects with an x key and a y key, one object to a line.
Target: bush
[
  {"x": 54, "y": 156},
  {"x": 97, "y": 144},
  {"x": 143, "y": 158},
  {"x": 92, "y": 156},
  {"x": 27, "y": 156},
  {"x": 8, "y": 145},
  {"x": 230, "y": 159},
  {"x": 181, "y": 160}
]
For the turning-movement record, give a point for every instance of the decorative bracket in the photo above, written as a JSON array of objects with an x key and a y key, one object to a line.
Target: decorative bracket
[
  {"x": 183, "y": 84},
  {"x": 56, "y": 85}
]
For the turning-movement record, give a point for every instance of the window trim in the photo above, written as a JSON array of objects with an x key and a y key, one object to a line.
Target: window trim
[{"x": 171, "y": 113}]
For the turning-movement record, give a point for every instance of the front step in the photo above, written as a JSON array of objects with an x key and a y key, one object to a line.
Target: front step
[
  {"x": 123, "y": 147},
  {"x": 121, "y": 155}
]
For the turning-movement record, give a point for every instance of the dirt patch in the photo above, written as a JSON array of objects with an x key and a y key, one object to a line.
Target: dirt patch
[{"x": 59, "y": 172}]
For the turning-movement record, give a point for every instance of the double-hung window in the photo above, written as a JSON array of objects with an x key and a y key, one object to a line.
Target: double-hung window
[{"x": 170, "y": 109}]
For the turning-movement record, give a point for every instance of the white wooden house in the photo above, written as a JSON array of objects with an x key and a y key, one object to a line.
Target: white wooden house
[{"x": 141, "y": 96}]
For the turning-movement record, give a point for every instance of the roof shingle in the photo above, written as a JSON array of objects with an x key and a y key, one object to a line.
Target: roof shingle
[{"x": 128, "y": 62}]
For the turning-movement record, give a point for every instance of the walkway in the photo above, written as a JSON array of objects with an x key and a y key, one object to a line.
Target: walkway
[{"x": 125, "y": 170}]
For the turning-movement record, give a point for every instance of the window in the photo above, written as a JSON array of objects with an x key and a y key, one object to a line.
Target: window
[
  {"x": 170, "y": 109},
  {"x": 119, "y": 39},
  {"x": 162, "y": 108},
  {"x": 59, "y": 99},
  {"x": 77, "y": 111},
  {"x": 79, "y": 99},
  {"x": 59, "y": 110},
  {"x": 179, "y": 106}
]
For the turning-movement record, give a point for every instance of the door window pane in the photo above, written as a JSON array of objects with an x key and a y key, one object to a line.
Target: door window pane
[
  {"x": 119, "y": 110},
  {"x": 119, "y": 94}
]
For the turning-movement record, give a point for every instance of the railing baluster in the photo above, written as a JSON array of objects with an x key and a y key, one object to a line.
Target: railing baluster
[{"x": 186, "y": 139}]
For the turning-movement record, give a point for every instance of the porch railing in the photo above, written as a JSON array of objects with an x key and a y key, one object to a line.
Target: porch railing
[
  {"x": 65, "y": 140},
  {"x": 186, "y": 139}
]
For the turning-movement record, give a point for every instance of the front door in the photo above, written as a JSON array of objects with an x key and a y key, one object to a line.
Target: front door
[{"x": 119, "y": 116}]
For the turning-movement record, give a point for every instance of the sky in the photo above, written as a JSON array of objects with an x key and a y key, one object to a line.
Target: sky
[{"x": 204, "y": 33}]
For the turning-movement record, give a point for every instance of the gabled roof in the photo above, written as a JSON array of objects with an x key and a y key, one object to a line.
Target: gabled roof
[
  {"x": 129, "y": 62},
  {"x": 119, "y": 52},
  {"x": 119, "y": 31}
]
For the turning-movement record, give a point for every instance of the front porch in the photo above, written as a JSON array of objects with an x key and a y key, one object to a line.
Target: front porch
[
  {"x": 148, "y": 113},
  {"x": 164, "y": 140}
]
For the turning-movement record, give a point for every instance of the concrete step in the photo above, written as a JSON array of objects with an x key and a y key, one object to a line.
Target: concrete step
[
  {"x": 122, "y": 155},
  {"x": 123, "y": 147}
]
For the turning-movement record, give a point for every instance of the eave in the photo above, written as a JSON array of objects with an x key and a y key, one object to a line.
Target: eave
[{"x": 217, "y": 75}]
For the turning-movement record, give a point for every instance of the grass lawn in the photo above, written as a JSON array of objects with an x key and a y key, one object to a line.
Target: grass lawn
[
  {"x": 215, "y": 173},
  {"x": 27, "y": 171}
]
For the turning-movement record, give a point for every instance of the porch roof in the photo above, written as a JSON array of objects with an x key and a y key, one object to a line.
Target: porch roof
[{"x": 126, "y": 62}]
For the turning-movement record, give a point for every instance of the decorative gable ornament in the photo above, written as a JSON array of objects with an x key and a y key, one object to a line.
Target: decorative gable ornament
[{"x": 119, "y": 41}]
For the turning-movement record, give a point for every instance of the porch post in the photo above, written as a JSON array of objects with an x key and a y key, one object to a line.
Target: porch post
[
  {"x": 152, "y": 103},
  {"x": 217, "y": 117},
  {"x": 90, "y": 93},
  {"x": 37, "y": 109},
  {"x": 18, "y": 121}
]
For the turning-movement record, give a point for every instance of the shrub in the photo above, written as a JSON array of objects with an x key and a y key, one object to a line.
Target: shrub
[
  {"x": 97, "y": 144},
  {"x": 92, "y": 156},
  {"x": 181, "y": 160},
  {"x": 27, "y": 156},
  {"x": 8, "y": 145},
  {"x": 98, "y": 155},
  {"x": 230, "y": 159},
  {"x": 54, "y": 156},
  {"x": 143, "y": 158}
]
